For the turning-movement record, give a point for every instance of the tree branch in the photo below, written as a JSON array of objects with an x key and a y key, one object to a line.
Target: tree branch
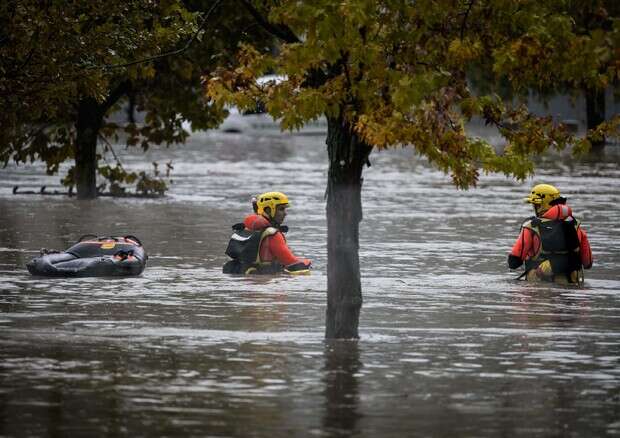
[
  {"x": 279, "y": 31},
  {"x": 464, "y": 23},
  {"x": 166, "y": 54},
  {"x": 117, "y": 92},
  {"x": 111, "y": 149}
]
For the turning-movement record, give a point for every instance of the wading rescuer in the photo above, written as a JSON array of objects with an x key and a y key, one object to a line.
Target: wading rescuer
[
  {"x": 552, "y": 243},
  {"x": 258, "y": 245}
]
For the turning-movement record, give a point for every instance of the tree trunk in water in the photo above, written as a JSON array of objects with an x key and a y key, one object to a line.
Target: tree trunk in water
[
  {"x": 347, "y": 156},
  {"x": 90, "y": 117},
  {"x": 595, "y": 113}
]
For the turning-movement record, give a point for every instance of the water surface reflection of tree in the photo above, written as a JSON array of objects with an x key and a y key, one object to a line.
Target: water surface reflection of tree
[{"x": 342, "y": 364}]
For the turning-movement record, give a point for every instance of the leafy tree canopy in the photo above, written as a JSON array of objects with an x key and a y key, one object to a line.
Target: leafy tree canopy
[
  {"x": 61, "y": 61},
  {"x": 396, "y": 71},
  {"x": 56, "y": 54}
]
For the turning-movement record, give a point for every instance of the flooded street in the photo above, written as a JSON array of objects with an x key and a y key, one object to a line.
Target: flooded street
[{"x": 451, "y": 344}]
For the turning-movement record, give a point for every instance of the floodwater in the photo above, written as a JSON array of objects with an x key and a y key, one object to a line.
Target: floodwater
[{"x": 451, "y": 345}]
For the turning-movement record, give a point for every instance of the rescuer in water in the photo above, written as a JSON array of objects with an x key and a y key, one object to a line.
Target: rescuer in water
[
  {"x": 258, "y": 245},
  {"x": 552, "y": 243}
]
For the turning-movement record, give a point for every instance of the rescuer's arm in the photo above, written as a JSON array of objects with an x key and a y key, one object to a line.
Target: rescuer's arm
[
  {"x": 584, "y": 249},
  {"x": 281, "y": 252},
  {"x": 520, "y": 249}
]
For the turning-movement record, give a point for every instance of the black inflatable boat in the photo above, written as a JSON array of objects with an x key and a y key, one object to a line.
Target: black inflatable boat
[{"x": 93, "y": 256}]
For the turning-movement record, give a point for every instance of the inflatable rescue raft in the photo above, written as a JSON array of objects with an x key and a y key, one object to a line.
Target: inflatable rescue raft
[{"x": 93, "y": 256}]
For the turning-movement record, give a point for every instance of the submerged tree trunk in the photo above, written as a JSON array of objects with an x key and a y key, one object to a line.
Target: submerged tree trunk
[
  {"x": 90, "y": 118},
  {"x": 595, "y": 113},
  {"x": 89, "y": 121},
  {"x": 347, "y": 156}
]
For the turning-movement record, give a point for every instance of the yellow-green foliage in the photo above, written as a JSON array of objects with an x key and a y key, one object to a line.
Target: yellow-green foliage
[
  {"x": 55, "y": 54},
  {"x": 396, "y": 71}
]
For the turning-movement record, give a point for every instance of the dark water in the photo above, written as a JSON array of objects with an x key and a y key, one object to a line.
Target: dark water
[{"x": 450, "y": 344}]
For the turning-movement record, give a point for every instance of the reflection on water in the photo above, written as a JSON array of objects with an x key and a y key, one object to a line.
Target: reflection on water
[
  {"x": 342, "y": 364},
  {"x": 451, "y": 344}
]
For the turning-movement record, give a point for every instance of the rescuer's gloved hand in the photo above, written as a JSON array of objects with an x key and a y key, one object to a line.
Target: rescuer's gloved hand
[
  {"x": 299, "y": 268},
  {"x": 514, "y": 262}
]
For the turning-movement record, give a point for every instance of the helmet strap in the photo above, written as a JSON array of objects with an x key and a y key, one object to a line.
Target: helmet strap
[
  {"x": 538, "y": 210},
  {"x": 268, "y": 216}
]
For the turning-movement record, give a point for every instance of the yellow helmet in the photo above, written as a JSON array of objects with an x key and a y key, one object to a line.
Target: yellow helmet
[
  {"x": 271, "y": 200},
  {"x": 542, "y": 196}
]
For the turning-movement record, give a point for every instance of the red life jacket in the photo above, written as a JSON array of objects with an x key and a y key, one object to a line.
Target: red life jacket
[
  {"x": 273, "y": 247},
  {"x": 545, "y": 238}
]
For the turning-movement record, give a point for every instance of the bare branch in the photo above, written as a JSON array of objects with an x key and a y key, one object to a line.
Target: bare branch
[
  {"x": 464, "y": 23},
  {"x": 119, "y": 91},
  {"x": 111, "y": 149}
]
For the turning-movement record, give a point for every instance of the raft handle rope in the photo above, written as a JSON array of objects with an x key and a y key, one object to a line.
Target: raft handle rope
[
  {"x": 134, "y": 238},
  {"x": 95, "y": 237},
  {"x": 107, "y": 238},
  {"x": 116, "y": 239},
  {"x": 85, "y": 236}
]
